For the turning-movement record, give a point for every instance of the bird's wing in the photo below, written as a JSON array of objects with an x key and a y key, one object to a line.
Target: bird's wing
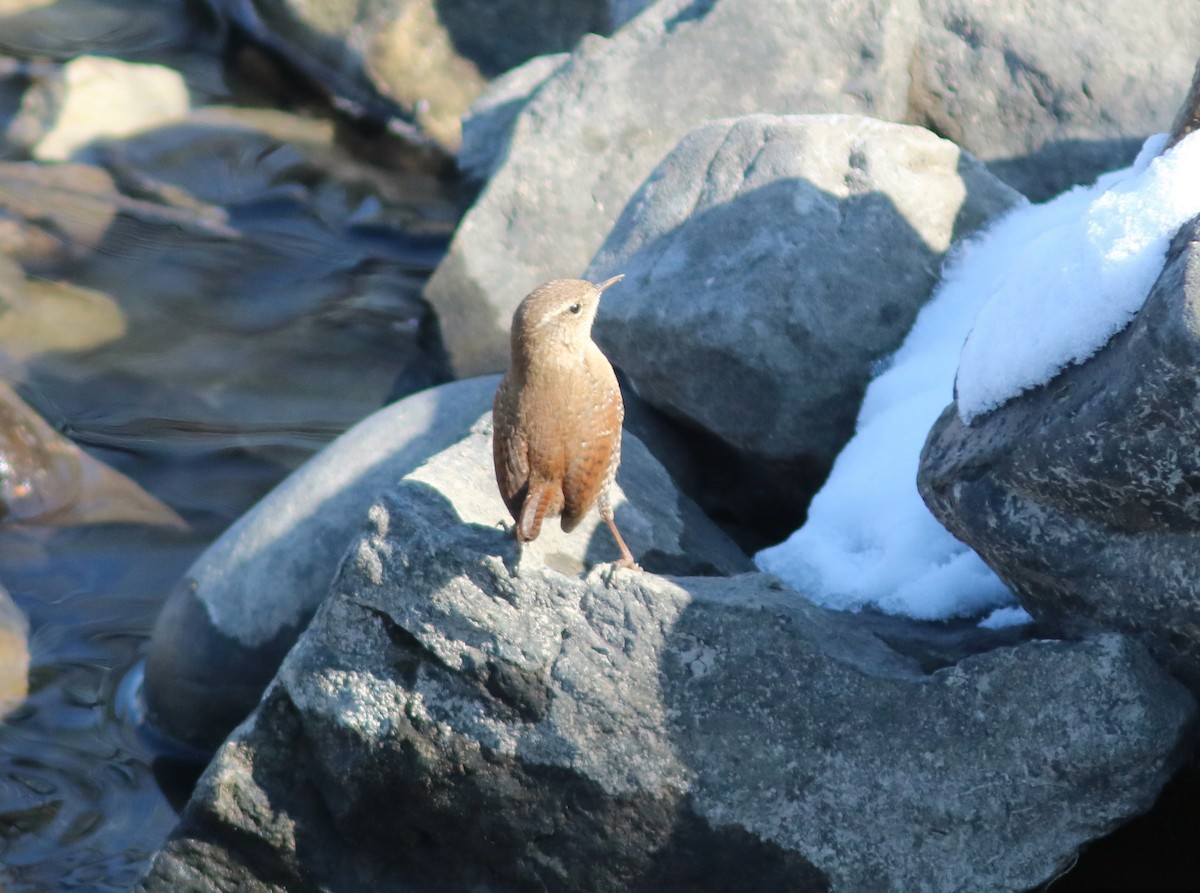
[{"x": 510, "y": 449}]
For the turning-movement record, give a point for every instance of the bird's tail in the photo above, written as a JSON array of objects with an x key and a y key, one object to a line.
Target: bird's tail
[{"x": 538, "y": 501}]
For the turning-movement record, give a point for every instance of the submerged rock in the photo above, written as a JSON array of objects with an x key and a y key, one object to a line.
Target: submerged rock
[
  {"x": 432, "y": 57},
  {"x": 456, "y": 718},
  {"x": 14, "y": 654},
  {"x": 284, "y": 275},
  {"x": 45, "y": 479},
  {"x": 1082, "y": 493},
  {"x": 107, "y": 98}
]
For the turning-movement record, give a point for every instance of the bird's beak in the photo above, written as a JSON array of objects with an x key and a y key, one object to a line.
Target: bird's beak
[{"x": 607, "y": 282}]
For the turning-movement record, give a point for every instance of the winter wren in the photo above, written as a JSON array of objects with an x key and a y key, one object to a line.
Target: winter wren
[{"x": 556, "y": 419}]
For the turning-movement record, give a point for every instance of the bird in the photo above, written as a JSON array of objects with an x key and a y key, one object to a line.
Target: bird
[{"x": 557, "y": 414}]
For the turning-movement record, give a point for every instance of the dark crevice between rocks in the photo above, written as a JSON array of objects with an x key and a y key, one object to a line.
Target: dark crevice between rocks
[
  {"x": 936, "y": 645},
  {"x": 740, "y": 493},
  {"x": 498, "y": 35},
  {"x": 1155, "y": 851}
]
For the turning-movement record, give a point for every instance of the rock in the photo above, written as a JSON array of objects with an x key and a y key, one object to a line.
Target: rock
[
  {"x": 110, "y": 98},
  {"x": 771, "y": 261},
  {"x": 214, "y": 649},
  {"x": 998, "y": 79},
  {"x": 54, "y": 215},
  {"x": 1081, "y": 493},
  {"x": 30, "y": 97},
  {"x": 431, "y": 56},
  {"x": 597, "y": 128},
  {"x": 14, "y": 654},
  {"x": 46, "y": 479},
  {"x": 456, "y": 720},
  {"x": 487, "y": 128},
  {"x": 43, "y": 315},
  {"x": 1187, "y": 119}
]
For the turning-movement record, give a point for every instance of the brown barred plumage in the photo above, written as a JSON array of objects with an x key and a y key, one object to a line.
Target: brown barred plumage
[{"x": 556, "y": 419}]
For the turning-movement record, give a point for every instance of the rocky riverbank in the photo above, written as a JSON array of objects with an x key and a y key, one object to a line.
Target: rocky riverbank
[{"x": 405, "y": 702}]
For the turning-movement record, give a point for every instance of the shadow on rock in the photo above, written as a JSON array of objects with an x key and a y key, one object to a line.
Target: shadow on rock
[{"x": 456, "y": 719}]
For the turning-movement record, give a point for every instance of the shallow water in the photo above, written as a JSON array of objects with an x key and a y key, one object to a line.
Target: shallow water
[
  {"x": 79, "y": 805},
  {"x": 262, "y": 298}
]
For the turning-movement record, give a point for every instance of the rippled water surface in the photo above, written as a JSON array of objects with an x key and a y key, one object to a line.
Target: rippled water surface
[
  {"x": 79, "y": 805},
  {"x": 230, "y": 293}
]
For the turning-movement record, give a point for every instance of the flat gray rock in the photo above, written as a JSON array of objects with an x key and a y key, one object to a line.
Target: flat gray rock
[
  {"x": 456, "y": 719},
  {"x": 770, "y": 262},
  {"x": 1082, "y": 494},
  {"x": 242, "y": 605}
]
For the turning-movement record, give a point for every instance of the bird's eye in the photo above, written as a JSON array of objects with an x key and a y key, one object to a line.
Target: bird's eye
[{"x": 575, "y": 308}]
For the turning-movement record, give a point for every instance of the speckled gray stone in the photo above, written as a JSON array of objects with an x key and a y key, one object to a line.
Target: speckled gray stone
[
  {"x": 242, "y": 605},
  {"x": 771, "y": 261},
  {"x": 457, "y": 720},
  {"x": 1084, "y": 494}
]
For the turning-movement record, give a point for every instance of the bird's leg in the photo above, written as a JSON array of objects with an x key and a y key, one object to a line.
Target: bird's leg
[{"x": 626, "y": 559}]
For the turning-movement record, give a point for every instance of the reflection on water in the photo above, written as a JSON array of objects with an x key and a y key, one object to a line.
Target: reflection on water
[{"x": 201, "y": 308}]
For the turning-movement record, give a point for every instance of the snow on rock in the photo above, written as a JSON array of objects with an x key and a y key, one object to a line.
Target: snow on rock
[
  {"x": 1045, "y": 286},
  {"x": 1058, "y": 280}
]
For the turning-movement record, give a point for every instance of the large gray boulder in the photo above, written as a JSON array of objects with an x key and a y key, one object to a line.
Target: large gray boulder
[
  {"x": 771, "y": 261},
  {"x": 456, "y": 719},
  {"x": 999, "y": 81},
  {"x": 597, "y": 128},
  {"x": 1082, "y": 493},
  {"x": 1046, "y": 113},
  {"x": 225, "y": 628},
  {"x": 228, "y": 623},
  {"x": 487, "y": 127}
]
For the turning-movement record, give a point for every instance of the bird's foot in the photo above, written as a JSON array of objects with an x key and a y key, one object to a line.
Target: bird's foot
[{"x": 608, "y": 572}]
